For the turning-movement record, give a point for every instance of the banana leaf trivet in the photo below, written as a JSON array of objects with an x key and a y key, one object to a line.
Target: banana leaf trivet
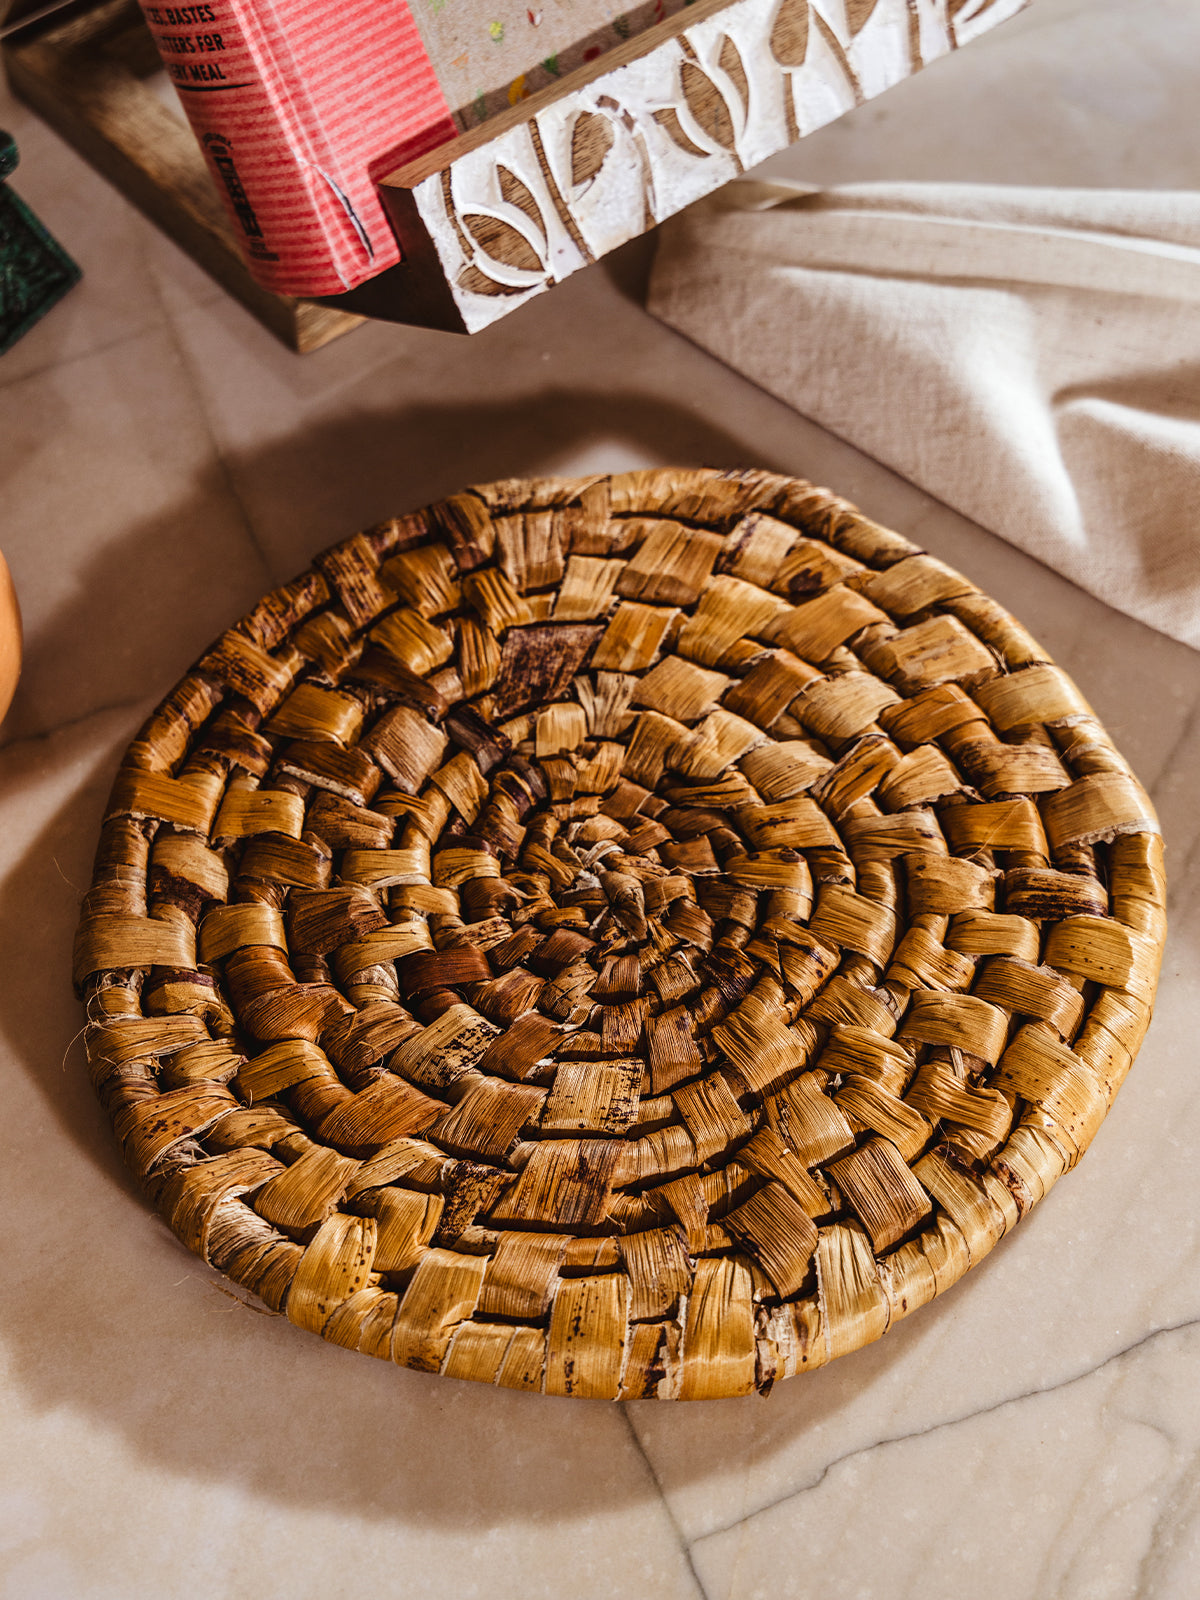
[{"x": 632, "y": 937}]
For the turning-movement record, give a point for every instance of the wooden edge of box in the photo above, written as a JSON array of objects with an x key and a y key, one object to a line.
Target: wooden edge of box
[{"x": 408, "y": 175}]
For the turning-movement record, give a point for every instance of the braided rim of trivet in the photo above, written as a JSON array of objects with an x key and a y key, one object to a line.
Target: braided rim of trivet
[{"x": 628, "y": 937}]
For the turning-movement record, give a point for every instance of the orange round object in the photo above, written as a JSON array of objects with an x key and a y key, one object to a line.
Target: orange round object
[{"x": 10, "y": 638}]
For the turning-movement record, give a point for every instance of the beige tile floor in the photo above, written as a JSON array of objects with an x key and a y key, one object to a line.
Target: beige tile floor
[{"x": 162, "y": 460}]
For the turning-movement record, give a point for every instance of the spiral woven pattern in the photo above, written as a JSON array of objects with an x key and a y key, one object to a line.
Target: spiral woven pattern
[{"x": 639, "y": 936}]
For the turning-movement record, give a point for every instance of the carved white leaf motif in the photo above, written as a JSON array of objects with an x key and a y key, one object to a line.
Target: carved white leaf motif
[
  {"x": 831, "y": 39},
  {"x": 607, "y": 171},
  {"x": 969, "y": 18},
  {"x": 591, "y": 140},
  {"x": 517, "y": 194},
  {"x": 708, "y": 106},
  {"x": 789, "y": 33},
  {"x": 501, "y": 241},
  {"x": 858, "y": 12},
  {"x": 730, "y": 63},
  {"x": 915, "y": 57},
  {"x": 479, "y": 283},
  {"x": 669, "y": 122}
]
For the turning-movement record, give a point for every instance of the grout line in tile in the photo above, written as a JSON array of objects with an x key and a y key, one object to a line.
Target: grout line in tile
[
  {"x": 1185, "y": 1325},
  {"x": 64, "y": 363},
  {"x": 218, "y": 455},
  {"x": 684, "y": 1547},
  {"x": 1167, "y": 765},
  {"x": 24, "y": 740}
]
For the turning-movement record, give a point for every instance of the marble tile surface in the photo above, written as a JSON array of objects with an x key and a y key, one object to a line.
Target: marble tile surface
[{"x": 1033, "y": 1435}]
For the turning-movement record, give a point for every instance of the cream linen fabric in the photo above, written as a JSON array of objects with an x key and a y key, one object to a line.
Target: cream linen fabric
[{"x": 1029, "y": 356}]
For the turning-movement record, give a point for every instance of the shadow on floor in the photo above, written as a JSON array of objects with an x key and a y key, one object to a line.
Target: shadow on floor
[{"x": 142, "y": 1340}]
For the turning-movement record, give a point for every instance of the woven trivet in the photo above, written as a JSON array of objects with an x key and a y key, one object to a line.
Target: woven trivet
[{"x": 638, "y": 936}]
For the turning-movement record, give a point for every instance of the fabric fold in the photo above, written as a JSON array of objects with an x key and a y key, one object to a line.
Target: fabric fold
[{"x": 1029, "y": 356}]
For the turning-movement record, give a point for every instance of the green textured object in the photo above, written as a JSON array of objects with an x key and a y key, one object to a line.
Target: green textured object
[{"x": 35, "y": 271}]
